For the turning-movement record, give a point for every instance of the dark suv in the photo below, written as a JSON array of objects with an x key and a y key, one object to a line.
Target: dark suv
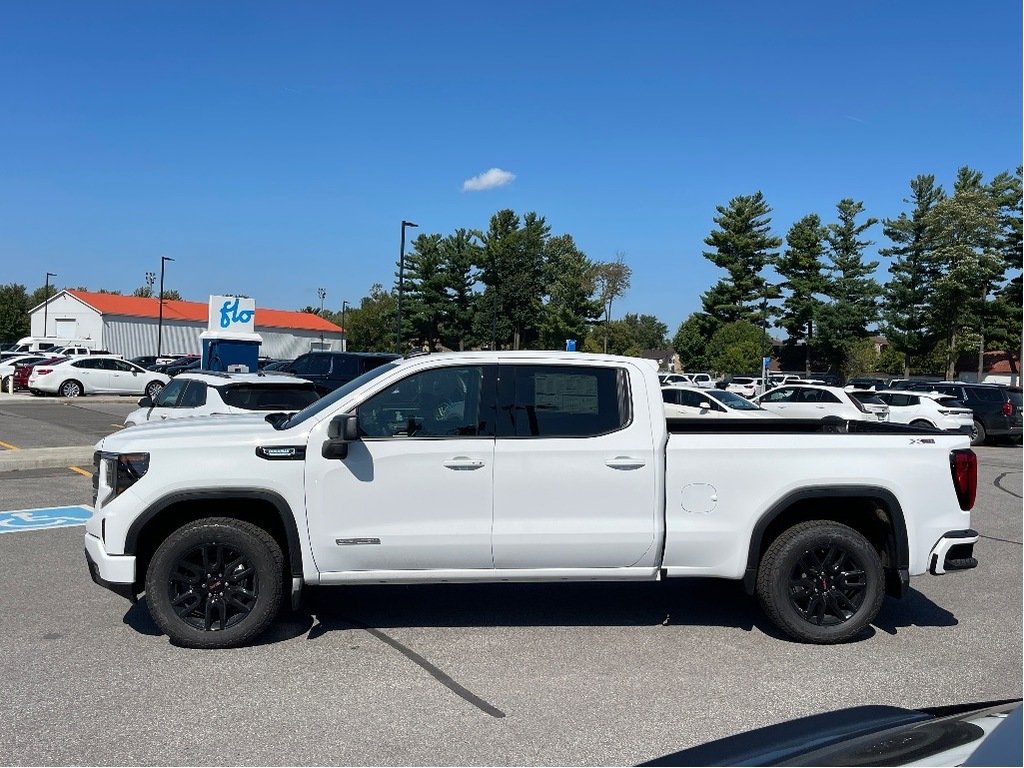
[
  {"x": 329, "y": 370},
  {"x": 997, "y": 408}
]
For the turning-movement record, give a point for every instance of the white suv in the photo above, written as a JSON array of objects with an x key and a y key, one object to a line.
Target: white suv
[
  {"x": 209, "y": 392},
  {"x": 808, "y": 401},
  {"x": 931, "y": 409}
]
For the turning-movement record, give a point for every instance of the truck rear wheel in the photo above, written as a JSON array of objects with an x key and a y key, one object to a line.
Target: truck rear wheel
[
  {"x": 215, "y": 583},
  {"x": 821, "y": 582}
]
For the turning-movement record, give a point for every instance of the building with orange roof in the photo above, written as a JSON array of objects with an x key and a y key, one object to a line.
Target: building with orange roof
[{"x": 128, "y": 325}]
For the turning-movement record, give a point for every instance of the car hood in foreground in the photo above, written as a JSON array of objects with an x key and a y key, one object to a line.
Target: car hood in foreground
[{"x": 208, "y": 430}]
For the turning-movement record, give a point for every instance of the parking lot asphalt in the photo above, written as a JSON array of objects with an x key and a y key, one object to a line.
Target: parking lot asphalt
[
  {"x": 595, "y": 674},
  {"x": 28, "y": 422}
]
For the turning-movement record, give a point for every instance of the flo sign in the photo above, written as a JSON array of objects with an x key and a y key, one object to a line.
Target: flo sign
[{"x": 230, "y": 315}]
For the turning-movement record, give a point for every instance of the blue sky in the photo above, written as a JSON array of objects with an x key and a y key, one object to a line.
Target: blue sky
[{"x": 274, "y": 148}]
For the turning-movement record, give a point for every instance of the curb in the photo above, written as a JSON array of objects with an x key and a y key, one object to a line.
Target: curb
[
  {"x": 25, "y": 397},
  {"x": 46, "y": 458}
]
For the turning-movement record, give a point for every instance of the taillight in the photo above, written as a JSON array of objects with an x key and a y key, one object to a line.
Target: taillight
[
  {"x": 963, "y": 464},
  {"x": 44, "y": 371},
  {"x": 1007, "y": 408}
]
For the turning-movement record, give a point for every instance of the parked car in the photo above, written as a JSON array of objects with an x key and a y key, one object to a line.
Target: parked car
[
  {"x": 702, "y": 380},
  {"x": 185, "y": 364},
  {"x": 79, "y": 351},
  {"x": 930, "y": 409},
  {"x": 212, "y": 392},
  {"x": 811, "y": 401},
  {"x": 279, "y": 366},
  {"x": 72, "y": 377},
  {"x": 23, "y": 372},
  {"x": 329, "y": 370},
  {"x": 997, "y": 410},
  {"x": 162, "y": 365},
  {"x": 8, "y": 365},
  {"x": 673, "y": 379},
  {"x": 743, "y": 385},
  {"x": 867, "y": 382},
  {"x": 146, "y": 361},
  {"x": 690, "y": 401}
]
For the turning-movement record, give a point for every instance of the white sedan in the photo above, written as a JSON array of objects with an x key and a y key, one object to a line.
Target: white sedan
[
  {"x": 927, "y": 409},
  {"x": 716, "y": 403},
  {"x": 208, "y": 393},
  {"x": 8, "y": 364},
  {"x": 95, "y": 375},
  {"x": 809, "y": 401}
]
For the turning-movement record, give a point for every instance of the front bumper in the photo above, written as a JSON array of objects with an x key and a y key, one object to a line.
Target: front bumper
[
  {"x": 953, "y": 552},
  {"x": 113, "y": 572}
]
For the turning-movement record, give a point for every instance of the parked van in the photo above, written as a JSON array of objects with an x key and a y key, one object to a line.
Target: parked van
[{"x": 48, "y": 343}]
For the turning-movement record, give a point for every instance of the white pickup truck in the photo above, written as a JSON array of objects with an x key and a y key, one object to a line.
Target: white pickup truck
[{"x": 521, "y": 466}]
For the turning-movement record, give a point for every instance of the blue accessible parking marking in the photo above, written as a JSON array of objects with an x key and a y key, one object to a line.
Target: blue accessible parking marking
[{"x": 48, "y": 517}]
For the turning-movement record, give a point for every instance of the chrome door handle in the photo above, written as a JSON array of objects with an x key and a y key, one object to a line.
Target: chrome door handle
[
  {"x": 463, "y": 462},
  {"x": 625, "y": 462}
]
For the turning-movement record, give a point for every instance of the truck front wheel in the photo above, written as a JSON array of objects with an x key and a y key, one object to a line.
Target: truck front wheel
[
  {"x": 215, "y": 583},
  {"x": 821, "y": 582}
]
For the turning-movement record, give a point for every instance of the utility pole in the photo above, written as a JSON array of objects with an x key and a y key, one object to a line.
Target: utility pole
[
  {"x": 344, "y": 328},
  {"x": 322, "y": 293},
  {"x": 401, "y": 286},
  {"x": 46, "y": 301},
  {"x": 160, "y": 323}
]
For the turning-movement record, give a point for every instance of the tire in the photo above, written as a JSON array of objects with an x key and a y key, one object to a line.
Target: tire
[
  {"x": 153, "y": 388},
  {"x": 978, "y": 434},
  {"x": 821, "y": 582},
  {"x": 200, "y": 601},
  {"x": 5, "y": 383},
  {"x": 70, "y": 388}
]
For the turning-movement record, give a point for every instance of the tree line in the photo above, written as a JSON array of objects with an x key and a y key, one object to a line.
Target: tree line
[{"x": 954, "y": 286}]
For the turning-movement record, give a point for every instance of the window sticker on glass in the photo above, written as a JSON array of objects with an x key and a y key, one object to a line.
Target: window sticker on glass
[{"x": 568, "y": 393}]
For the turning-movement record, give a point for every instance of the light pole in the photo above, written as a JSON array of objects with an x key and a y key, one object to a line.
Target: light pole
[
  {"x": 46, "y": 300},
  {"x": 160, "y": 324},
  {"x": 150, "y": 280},
  {"x": 322, "y": 293},
  {"x": 344, "y": 328},
  {"x": 401, "y": 285}
]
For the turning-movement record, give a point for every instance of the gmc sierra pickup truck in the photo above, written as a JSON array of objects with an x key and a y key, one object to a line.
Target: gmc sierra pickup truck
[{"x": 520, "y": 466}]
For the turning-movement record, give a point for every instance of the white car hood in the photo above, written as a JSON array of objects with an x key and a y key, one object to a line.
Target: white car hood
[{"x": 211, "y": 430}]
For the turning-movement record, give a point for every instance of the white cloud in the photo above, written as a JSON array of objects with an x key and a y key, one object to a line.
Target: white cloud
[{"x": 491, "y": 179}]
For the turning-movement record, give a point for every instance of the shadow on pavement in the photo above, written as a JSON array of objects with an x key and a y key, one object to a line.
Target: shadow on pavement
[{"x": 914, "y": 610}]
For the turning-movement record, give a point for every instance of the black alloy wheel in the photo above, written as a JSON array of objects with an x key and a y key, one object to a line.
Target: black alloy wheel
[
  {"x": 827, "y": 585},
  {"x": 213, "y": 587},
  {"x": 821, "y": 582},
  {"x": 216, "y": 582}
]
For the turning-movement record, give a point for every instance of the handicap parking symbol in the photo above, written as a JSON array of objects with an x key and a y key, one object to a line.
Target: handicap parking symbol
[{"x": 37, "y": 519}]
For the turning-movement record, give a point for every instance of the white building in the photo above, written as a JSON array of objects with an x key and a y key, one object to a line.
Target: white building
[{"x": 128, "y": 325}]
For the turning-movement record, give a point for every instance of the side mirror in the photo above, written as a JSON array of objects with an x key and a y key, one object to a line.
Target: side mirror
[
  {"x": 342, "y": 430},
  {"x": 146, "y": 402},
  {"x": 705, "y": 406}
]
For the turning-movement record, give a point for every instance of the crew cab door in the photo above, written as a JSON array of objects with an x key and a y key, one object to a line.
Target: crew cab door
[
  {"x": 415, "y": 490},
  {"x": 575, "y": 472}
]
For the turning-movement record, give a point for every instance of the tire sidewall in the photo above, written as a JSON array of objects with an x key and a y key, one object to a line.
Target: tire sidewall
[
  {"x": 979, "y": 436},
  {"x": 153, "y": 388},
  {"x": 786, "y": 615},
  {"x": 259, "y": 550}
]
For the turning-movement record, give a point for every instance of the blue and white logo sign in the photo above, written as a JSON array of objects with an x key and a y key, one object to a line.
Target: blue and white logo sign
[
  {"x": 50, "y": 517},
  {"x": 232, "y": 314}
]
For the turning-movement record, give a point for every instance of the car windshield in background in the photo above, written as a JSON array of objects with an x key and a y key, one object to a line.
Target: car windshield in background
[
  {"x": 732, "y": 400},
  {"x": 343, "y": 391},
  {"x": 286, "y": 397}
]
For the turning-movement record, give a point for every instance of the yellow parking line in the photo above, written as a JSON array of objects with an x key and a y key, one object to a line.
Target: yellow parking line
[
  {"x": 8, "y": 446},
  {"x": 119, "y": 426},
  {"x": 81, "y": 471}
]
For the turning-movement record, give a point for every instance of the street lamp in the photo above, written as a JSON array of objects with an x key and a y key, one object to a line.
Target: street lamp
[
  {"x": 344, "y": 328},
  {"x": 150, "y": 280},
  {"x": 160, "y": 325},
  {"x": 322, "y": 293},
  {"x": 401, "y": 285},
  {"x": 46, "y": 300}
]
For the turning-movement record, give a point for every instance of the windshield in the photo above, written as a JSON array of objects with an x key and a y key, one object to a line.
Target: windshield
[
  {"x": 867, "y": 398},
  {"x": 341, "y": 392},
  {"x": 732, "y": 400}
]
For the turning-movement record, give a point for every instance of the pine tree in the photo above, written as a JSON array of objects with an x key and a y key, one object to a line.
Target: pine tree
[
  {"x": 853, "y": 293},
  {"x": 743, "y": 246},
  {"x": 570, "y": 288},
  {"x": 907, "y": 295},
  {"x": 801, "y": 269}
]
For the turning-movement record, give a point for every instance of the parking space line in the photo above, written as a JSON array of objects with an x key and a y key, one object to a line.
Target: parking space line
[
  {"x": 80, "y": 471},
  {"x": 8, "y": 446},
  {"x": 119, "y": 426}
]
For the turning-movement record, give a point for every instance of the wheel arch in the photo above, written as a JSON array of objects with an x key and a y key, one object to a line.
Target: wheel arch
[
  {"x": 873, "y": 511},
  {"x": 264, "y": 508}
]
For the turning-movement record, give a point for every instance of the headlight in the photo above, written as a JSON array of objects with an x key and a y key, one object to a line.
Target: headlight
[{"x": 119, "y": 472}]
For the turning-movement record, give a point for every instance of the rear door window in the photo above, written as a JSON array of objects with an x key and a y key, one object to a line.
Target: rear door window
[
  {"x": 563, "y": 401},
  {"x": 269, "y": 398}
]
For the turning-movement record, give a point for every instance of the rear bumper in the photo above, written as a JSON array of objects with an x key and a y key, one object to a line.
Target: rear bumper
[
  {"x": 113, "y": 572},
  {"x": 953, "y": 552}
]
